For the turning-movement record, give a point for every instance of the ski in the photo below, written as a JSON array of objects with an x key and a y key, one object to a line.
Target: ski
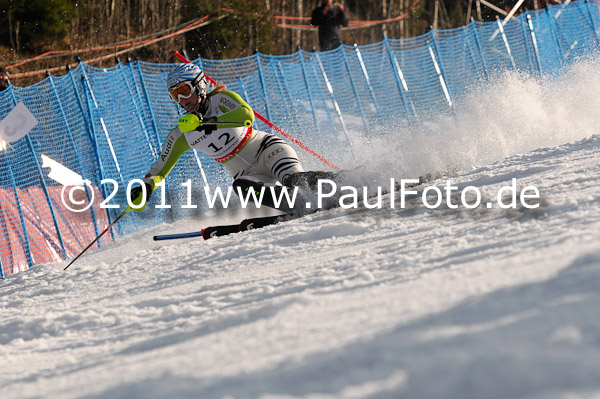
[
  {"x": 223, "y": 230},
  {"x": 309, "y": 178}
]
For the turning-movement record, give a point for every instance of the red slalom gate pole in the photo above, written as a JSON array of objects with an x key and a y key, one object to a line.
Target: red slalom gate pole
[{"x": 270, "y": 124}]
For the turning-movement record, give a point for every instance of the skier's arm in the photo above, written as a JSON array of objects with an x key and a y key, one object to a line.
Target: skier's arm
[
  {"x": 174, "y": 146},
  {"x": 234, "y": 109}
]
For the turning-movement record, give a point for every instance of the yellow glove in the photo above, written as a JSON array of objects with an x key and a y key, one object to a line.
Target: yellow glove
[{"x": 189, "y": 122}]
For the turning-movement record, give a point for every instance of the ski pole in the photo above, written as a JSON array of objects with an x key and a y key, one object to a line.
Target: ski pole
[
  {"x": 176, "y": 236},
  {"x": 191, "y": 122},
  {"x": 246, "y": 123},
  {"x": 270, "y": 124},
  {"x": 99, "y": 235}
]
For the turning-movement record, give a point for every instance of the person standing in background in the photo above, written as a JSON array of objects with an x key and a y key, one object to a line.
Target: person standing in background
[
  {"x": 329, "y": 17},
  {"x": 4, "y": 79}
]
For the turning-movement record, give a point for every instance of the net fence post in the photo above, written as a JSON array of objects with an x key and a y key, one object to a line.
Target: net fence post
[
  {"x": 94, "y": 135},
  {"x": 284, "y": 89},
  {"x": 137, "y": 66},
  {"x": 330, "y": 90},
  {"x": 555, "y": 36},
  {"x": 534, "y": 41},
  {"x": 26, "y": 247},
  {"x": 506, "y": 44},
  {"x": 368, "y": 80},
  {"x": 439, "y": 68},
  {"x": 138, "y": 111},
  {"x": 155, "y": 151},
  {"x": 44, "y": 186},
  {"x": 104, "y": 128},
  {"x": 310, "y": 94},
  {"x": 263, "y": 85},
  {"x": 480, "y": 50},
  {"x": 72, "y": 141},
  {"x": 92, "y": 140},
  {"x": 243, "y": 89},
  {"x": 524, "y": 25},
  {"x": 91, "y": 134},
  {"x": 400, "y": 81},
  {"x": 591, "y": 15},
  {"x": 356, "y": 96}
]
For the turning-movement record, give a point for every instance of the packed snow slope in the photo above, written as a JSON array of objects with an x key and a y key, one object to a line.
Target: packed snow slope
[{"x": 360, "y": 303}]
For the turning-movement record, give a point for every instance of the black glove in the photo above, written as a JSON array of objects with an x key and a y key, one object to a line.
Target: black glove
[
  {"x": 137, "y": 192},
  {"x": 208, "y": 128}
]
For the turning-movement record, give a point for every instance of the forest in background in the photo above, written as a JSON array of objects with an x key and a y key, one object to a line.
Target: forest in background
[{"x": 233, "y": 29}]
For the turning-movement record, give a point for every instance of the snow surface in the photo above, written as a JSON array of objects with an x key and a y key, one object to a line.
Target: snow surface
[{"x": 389, "y": 303}]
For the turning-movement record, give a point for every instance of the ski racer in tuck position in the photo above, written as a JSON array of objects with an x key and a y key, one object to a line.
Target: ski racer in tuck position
[{"x": 221, "y": 127}]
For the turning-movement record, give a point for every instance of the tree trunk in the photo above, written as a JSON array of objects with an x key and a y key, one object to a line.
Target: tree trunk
[
  {"x": 299, "y": 32},
  {"x": 469, "y": 8},
  {"x": 384, "y": 15}
]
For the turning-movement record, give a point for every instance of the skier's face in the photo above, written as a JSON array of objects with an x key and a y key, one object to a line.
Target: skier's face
[{"x": 191, "y": 103}]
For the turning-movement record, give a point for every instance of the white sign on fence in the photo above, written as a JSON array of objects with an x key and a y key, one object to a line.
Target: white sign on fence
[
  {"x": 17, "y": 123},
  {"x": 61, "y": 174}
]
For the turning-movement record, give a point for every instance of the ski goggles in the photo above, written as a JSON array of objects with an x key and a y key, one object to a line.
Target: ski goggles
[{"x": 183, "y": 90}]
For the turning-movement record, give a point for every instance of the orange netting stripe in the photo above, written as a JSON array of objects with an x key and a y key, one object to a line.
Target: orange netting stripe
[
  {"x": 129, "y": 47},
  {"x": 137, "y": 43},
  {"x": 133, "y": 42}
]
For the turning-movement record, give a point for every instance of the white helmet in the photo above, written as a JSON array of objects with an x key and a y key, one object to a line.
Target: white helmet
[{"x": 188, "y": 73}]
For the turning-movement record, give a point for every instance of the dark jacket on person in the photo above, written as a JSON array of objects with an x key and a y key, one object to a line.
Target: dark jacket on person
[{"x": 330, "y": 35}]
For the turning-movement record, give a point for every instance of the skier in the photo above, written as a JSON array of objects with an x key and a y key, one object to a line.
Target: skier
[{"x": 247, "y": 153}]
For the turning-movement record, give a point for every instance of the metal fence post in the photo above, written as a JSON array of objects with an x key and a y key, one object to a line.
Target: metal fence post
[
  {"x": 368, "y": 80},
  {"x": 138, "y": 111},
  {"x": 400, "y": 81},
  {"x": 480, "y": 50},
  {"x": 91, "y": 135},
  {"x": 285, "y": 91},
  {"x": 505, "y": 39},
  {"x": 148, "y": 103},
  {"x": 555, "y": 35},
  {"x": 26, "y": 247},
  {"x": 524, "y": 29},
  {"x": 72, "y": 141},
  {"x": 330, "y": 90},
  {"x": 310, "y": 95},
  {"x": 263, "y": 85},
  {"x": 589, "y": 9},
  {"x": 440, "y": 70},
  {"x": 155, "y": 151},
  {"x": 356, "y": 96},
  {"x": 104, "y": 129},
  {"x": 534, "y": 40},
  {"x": 94, "y": 136},
  {"x": 243, "y": 89},
  {"x": 44, "y": 187}
]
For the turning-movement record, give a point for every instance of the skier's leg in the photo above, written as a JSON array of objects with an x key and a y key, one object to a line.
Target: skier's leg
[
  {"x": 272, "y": 193},
  {"x": 309, "y": 179},
  {"x": 276, "y": 158}
]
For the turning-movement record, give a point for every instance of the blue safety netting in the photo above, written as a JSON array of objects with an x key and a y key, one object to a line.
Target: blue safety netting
[{"x": 111, "y": 123}]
